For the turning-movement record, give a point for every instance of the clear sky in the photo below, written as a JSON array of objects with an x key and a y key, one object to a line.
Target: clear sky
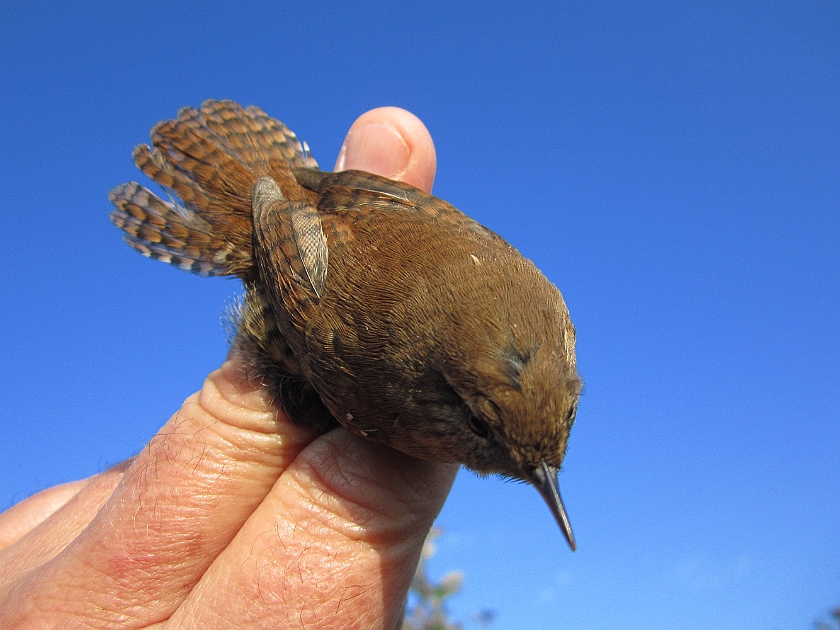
[{"x": 673, "y": 167}]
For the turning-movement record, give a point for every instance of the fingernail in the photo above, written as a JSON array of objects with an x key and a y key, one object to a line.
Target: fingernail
[{"x": 375, "y": 148}]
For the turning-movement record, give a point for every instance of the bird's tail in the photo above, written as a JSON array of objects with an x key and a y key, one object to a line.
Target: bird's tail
[{"x": 207, "y": 160}]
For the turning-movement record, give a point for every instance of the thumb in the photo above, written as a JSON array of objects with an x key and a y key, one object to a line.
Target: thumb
[{"x": 391, "y": 142}]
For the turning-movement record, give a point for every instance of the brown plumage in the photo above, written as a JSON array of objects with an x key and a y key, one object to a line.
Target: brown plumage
[{"x": 368, "y": 302}]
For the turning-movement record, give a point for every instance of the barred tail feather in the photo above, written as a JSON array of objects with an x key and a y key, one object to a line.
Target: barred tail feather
[
  {"x": 209, "y": 159},
  {"x": 174, "y": 234}
]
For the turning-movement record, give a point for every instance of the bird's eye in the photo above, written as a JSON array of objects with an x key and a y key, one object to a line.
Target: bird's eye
[{"x": 479, "y": 427}]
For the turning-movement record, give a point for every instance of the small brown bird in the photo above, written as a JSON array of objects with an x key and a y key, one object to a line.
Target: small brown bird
[{"x": 368, "y": 302}]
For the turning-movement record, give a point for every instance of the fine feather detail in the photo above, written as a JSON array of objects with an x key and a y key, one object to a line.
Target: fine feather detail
[{"x": 207, "y": 160}]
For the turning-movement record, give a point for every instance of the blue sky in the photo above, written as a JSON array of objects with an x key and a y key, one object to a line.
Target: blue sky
[{"x": 673, "y": 167}]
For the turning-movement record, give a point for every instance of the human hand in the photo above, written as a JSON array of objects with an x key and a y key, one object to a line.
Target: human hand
[{"x": 234, "y": 516}]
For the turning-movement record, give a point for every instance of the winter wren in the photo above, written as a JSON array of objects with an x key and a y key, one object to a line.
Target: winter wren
[{"x": 368, "y": 302}]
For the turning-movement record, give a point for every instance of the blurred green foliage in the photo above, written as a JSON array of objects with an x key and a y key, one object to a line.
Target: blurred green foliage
[{"x": 428, "y": 599}]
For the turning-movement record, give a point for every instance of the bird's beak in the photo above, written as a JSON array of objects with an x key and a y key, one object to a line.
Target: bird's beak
[{"x": 544, "y": 478}]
